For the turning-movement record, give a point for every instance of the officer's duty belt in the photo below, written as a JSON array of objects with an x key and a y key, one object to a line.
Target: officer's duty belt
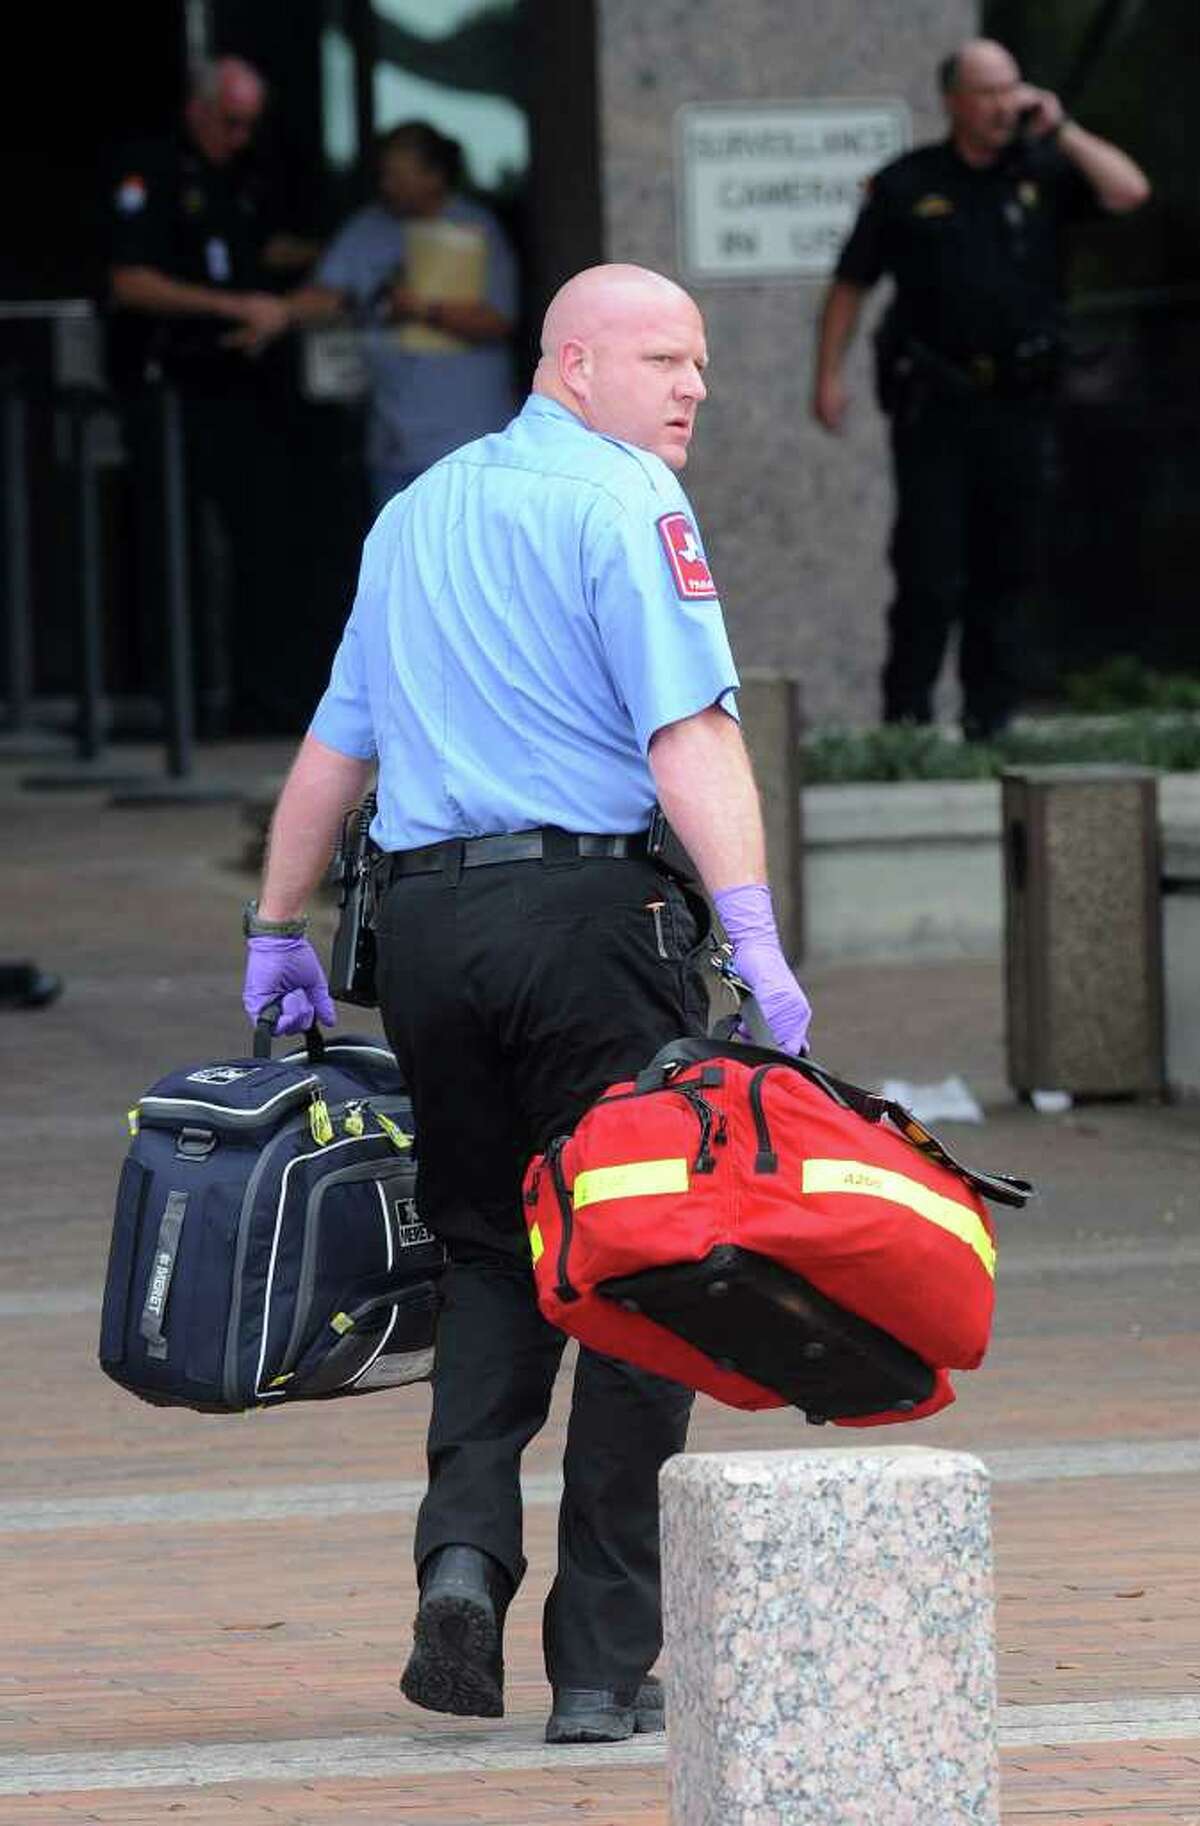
[
  {"x": 1026, "y": 371},
  {"x": 545, "y": 845}
]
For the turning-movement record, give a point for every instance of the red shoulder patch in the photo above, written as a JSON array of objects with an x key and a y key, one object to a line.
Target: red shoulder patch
[
  {"x": 131, "y": 194},
  {"x": 689, "y": 567}
]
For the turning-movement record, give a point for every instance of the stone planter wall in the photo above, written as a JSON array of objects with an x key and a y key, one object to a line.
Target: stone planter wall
[{"x": 913, "y": 870}]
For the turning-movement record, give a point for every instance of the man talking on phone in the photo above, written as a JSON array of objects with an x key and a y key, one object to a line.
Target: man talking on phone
[{"x": 968, "y": 356}]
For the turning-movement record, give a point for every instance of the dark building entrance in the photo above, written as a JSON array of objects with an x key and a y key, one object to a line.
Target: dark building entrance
[
  {"x": 1126, "y": 539},
  {"x": 513, "y": 83}
]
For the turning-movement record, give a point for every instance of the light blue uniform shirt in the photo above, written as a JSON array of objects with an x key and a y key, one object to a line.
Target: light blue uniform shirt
[
  {"x": 422, "y": 403},
  {"x": 528, "y": 614}
]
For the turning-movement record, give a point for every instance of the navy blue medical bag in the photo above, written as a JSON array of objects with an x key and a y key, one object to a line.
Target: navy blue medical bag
[{"x": 266, "y": 1245}]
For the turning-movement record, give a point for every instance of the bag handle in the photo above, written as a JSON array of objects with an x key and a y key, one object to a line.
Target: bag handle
[
  {"x": 264, "y": 1033},
  {"x": 1001, "y": 1188}
]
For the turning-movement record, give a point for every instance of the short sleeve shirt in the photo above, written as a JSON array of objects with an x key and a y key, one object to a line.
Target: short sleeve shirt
[
  {"x": 423, "y": 403},
  {"x": 975, "y": 252},
  {"x": 167, "y": 207},
  {"x": 529, "y": 613}
]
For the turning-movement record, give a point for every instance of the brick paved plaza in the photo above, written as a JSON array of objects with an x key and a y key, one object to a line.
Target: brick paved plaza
[{"x": 204, "y": 1618}]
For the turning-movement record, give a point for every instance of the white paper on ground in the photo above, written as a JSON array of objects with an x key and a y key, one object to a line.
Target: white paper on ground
[
  {"x": 948, "y": 1101},
  {"x": 1051, "y": 1103}
]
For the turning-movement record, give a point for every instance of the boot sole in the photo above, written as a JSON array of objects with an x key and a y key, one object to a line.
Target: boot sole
[
  {"x": 451, "y": 1667},
  {"x": 606, "y": 1727},
  {"x": 592, "y": 1728}
]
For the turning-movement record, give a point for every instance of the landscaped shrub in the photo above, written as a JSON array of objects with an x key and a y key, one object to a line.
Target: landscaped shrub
[
  {"x": 1125, "y": 683},
  {"x": 898, "y": 752}
]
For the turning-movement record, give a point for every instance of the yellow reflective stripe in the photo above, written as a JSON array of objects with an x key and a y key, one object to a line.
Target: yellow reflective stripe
[
  {"x": 877, "y": 1182},
  {"x": 536, "y": 1246},
  {"x": 633, "y": 1179}
]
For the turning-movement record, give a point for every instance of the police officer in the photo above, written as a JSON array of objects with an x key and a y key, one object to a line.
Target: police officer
[
  {"x": 186, "y": 279},
  {"x": 970, "y": 230},
  {"x": 536, "y": 651}
]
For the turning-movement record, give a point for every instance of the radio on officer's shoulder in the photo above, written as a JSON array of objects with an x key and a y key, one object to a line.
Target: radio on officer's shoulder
[{"x": 352, "y": 965}]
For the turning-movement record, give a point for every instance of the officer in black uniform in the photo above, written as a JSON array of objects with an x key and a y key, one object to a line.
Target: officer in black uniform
[
  {"x": 189, "y": 310},
  {"x": 970, "y": 230}
]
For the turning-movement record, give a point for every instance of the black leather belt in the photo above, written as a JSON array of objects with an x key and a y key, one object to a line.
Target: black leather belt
[
  {"x": 545, "y": 845},
  {"x": 1029, "y": 370}
]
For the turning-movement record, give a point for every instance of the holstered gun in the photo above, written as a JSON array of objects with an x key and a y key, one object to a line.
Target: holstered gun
[{"x": 352, "y": 965}]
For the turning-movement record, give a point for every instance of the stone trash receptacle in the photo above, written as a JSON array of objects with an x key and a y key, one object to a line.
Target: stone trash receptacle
[
  {"x": 830, "y": 1642},
  {"x": 1181, "y": 964}
]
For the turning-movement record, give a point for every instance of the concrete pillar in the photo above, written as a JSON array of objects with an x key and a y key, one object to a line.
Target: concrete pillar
[
  {"x": 829, "y": 1633},
  {"x": 770, "y": 708}
]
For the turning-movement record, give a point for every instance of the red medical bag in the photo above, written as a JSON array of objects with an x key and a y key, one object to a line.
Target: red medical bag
[{"x": 741, "y": 1221}]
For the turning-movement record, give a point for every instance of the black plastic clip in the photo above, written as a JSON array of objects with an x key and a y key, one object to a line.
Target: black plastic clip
[{"x": 195, "y": 1144}]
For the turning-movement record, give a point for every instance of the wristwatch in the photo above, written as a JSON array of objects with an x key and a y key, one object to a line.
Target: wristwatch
[{"x": 254, "y": 926}]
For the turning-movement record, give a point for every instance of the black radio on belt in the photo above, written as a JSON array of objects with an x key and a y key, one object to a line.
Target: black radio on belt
[{"x": 352, "y": 965}]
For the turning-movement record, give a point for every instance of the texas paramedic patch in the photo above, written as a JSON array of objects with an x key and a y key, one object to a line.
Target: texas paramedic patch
[{"x": 689, "y": 566}]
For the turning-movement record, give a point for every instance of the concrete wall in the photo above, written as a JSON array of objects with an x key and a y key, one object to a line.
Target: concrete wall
[
  {"x": 914, "y": 871},
  {"x": 795, "y": 522}
]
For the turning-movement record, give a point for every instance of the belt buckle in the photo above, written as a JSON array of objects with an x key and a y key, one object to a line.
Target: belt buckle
[{"x": 982, "y": 369}]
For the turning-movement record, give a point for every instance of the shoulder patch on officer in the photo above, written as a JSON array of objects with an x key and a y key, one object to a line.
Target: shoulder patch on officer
[
  {"x": 689, "y": 567},
  {"x": 1028, "y": 194},
  {"x": 933, "y": 205},
  {"x": 131, "y": 194}
]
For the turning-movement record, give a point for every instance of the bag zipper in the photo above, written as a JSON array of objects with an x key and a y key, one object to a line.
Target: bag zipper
[
  {"x": 563, "y": 1288},
  {"x": 766, "y": 1160},
  {"x": 705, "y": 1162},
  {"x": 167, "y": 1112}
]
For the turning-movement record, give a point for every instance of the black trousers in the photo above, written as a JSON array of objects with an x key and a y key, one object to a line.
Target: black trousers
[
  {"x": 512, "y": 996},
  {"x": 971, "y": 477}
]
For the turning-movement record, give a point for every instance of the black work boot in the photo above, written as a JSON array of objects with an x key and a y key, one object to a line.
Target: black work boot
[
  {"x": 606, "y": 1715},
  {"x": 25, "y": 986},
  {"x": 456, "y": 1663}
]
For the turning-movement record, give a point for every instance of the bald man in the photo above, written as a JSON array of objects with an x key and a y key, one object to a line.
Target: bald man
[
  {"x": 970, "y": 230},
  {"x": 536, "y": 654}
]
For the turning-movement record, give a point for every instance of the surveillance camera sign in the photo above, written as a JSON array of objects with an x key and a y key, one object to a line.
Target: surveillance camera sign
[{"x": 770, "y": 190}]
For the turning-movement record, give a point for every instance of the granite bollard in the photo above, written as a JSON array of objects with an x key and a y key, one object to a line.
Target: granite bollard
[{"x": 828, "y": 1620}]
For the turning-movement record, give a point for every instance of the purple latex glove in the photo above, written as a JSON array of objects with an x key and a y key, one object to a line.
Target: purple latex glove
[
  {"x": 287, "y": 970},
  {"x": 749, "y": 918}
]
